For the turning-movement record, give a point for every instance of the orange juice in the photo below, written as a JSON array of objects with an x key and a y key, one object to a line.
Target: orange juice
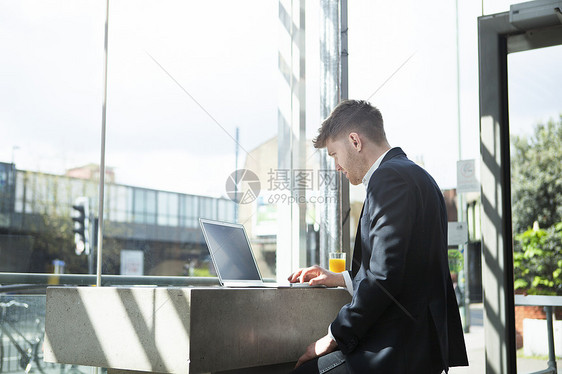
[{"x": 337, "y": 265}]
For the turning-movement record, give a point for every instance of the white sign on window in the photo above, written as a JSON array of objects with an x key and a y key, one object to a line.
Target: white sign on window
[
  {"x": 132, "y": 262},
  {"x": 458, "y": 233},
  {"x": 466, "y": 177}
]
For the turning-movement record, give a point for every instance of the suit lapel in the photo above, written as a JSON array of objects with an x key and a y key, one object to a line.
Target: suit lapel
[{"x": 356, "y": 264}]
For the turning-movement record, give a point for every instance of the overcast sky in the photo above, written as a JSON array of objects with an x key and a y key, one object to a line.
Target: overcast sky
[{"x": 184, "y": 74}]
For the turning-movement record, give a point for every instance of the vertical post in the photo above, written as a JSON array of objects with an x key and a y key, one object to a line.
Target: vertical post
[
  {"x": 344, "y": 63},
  {"x": 102, "y": 156},
  {"x": 345, "y": 207},
  {"x": 550, "y": 327},
  {"x": 292, "y": 134},
  {"x": 236, "y": 148},
  {"x": 330, "y": 91},
  {"x": 460, "y": 211},
  {"x": 497, "y": 251},
  {"x": 299, "y": 157}
]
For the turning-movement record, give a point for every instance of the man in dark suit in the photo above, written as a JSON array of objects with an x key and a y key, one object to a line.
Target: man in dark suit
[{"x": 403, "y": 317}]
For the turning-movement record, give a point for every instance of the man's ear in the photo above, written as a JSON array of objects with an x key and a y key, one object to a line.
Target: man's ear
[{"x": 355, "y": 141}]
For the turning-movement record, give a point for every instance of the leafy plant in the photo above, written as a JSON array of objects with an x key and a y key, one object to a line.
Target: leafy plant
[
  {"x": 537, "y": 260},
  {"x": 536, "y": 177},
  {"x": 456, "y": 261}
]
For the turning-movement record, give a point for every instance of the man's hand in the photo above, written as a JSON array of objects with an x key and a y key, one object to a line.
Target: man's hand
[
  {"x": 315, "y": 275},
  {"x": 319, "y": 348}
]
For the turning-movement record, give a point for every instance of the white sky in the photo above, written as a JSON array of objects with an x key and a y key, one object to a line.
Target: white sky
[{"x": 224, "y": 54}]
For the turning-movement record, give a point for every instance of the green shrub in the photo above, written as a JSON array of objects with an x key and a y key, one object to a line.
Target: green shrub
[
  {"x": 456, "y": 261},
  {"x": 537, "y": 260}
]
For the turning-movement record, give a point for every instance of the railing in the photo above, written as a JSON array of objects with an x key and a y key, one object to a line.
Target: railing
[
  {"x": 19, "y": 281},
  {"x": 549, "y": 302},
  {"x": 19, "y": 286}
]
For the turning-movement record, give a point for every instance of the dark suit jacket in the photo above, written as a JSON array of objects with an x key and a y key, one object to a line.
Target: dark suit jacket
[{"x": 403, "y": 317}]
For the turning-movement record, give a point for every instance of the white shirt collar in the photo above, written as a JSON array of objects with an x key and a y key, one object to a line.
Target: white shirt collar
[{"x": 374, "y": 167}]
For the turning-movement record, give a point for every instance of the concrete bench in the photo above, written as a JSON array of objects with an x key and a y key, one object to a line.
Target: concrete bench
[{"x": 185, "y": 330}]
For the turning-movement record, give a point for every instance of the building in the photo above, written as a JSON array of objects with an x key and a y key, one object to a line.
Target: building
[{"x": 35, "y": 218}]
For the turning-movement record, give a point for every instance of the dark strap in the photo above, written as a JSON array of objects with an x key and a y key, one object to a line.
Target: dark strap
[{"x": 356, "y": 264}]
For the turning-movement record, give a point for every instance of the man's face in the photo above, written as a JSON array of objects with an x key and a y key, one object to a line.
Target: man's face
[{"x": 346, "y": 158}]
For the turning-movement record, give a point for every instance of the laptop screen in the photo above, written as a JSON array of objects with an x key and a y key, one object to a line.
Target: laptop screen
[{"x": 230, "y": 250}]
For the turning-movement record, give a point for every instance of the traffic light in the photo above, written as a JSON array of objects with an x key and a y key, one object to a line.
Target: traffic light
[{"x": 81, "y": 229}]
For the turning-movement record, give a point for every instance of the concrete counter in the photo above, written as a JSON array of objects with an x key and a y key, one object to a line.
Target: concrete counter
[{"x": 185, "y": 330}]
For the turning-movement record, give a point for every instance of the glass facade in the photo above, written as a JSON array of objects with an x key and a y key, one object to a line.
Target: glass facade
[{"x": 196, "y": 92}]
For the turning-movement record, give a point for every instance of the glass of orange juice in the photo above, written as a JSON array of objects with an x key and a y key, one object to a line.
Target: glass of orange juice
[{"x": 337, "y": 262}]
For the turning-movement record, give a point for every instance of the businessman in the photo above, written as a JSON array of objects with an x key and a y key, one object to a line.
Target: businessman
[{"x": 403, "y": 316}]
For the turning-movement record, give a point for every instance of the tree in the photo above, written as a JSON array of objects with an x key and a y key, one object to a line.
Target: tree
[
  {"x": 538, "y": 260},
  {"x": 536, "y": 177}
]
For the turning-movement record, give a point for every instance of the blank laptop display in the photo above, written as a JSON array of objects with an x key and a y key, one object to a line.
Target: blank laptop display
[
  {"x": 233, "y": 258},
  {"x": 231, "y": 253}
]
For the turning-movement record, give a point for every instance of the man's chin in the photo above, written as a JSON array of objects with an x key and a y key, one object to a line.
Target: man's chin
[{"x": 355, "y": 182}]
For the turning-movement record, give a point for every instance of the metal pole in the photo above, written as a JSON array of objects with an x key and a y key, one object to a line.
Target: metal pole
[
  {"x": 345, "y": 208},
  {"x": 460, "y": 210},
  {"x": 330, "y": 91},
  {"x": 236, "y": 201},
  {"x": 344, "y": 76},
  {"x": 458, "y": 87},
  {"x": 550, "y": 331},
  {"x": 102, "y": 157}
]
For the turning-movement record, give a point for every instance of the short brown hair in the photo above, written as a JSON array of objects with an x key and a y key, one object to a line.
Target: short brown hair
[{"x": 353, "y": 116}]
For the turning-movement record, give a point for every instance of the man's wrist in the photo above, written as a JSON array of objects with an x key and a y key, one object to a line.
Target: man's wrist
[
  {"x": 348, "y": 282},
  {"x": 330, "y": 333}
]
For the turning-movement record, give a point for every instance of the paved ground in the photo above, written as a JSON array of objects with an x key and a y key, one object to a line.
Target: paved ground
[{"x": 475, "y": 347}]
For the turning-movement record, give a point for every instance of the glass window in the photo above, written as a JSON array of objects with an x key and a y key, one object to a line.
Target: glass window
[
  {"x": 180, "y": 124},
  {"x": 535, "y": 122},
  {"x": 144, "y": 209},
  {"x": 189, "y": 210},
  {"x": 208, "y": 208},
  {"x": 226, "y": 210},
  {"x": 50, "y": 115},
  {"x": 167, "y": 209},
  {"x": 20, "y": 193},
  {"x": 122, "y": 204}
]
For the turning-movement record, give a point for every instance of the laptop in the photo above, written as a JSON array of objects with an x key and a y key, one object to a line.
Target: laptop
[{"x": 233, "y": 257}]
